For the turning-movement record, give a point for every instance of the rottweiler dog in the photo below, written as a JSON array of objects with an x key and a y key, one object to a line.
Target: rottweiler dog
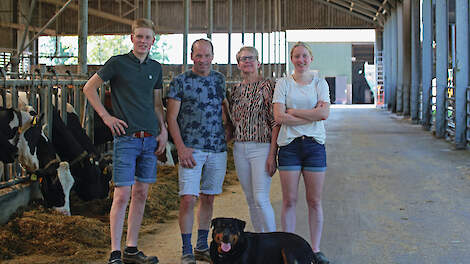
[{"x": 231, "y": 245}]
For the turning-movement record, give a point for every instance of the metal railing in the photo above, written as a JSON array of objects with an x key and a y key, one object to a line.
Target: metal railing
[
  {"x": 450, "y": 115},
  {"x": 468, "y": 116},
  {"x": 433, "y": 107},
  {"x": 41, "y": 90}
]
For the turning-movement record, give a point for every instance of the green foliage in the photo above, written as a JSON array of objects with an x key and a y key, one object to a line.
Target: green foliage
[
  {"x": 157, "y": 52},
  {"x": 60, "y": 47},
  {"x": 99, "y": 49}
]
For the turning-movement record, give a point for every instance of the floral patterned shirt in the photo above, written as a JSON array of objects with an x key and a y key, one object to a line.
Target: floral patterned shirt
[{"x": 200, "y": 115}]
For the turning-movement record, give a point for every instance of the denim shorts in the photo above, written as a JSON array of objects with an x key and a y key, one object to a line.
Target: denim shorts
[
  {"x": 303, "y": 153},
  {"x": 206, "y": 177},
  {"x": 134, "y": 159}
]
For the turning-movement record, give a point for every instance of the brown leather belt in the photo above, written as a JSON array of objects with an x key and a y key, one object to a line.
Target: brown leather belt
[{"x": 141, "y": 134}]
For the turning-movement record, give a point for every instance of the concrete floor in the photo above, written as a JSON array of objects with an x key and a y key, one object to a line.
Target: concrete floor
[{"x": 393, "y": 193}]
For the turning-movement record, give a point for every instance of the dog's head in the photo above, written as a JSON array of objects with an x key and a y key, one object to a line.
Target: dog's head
[{"x": 226, "y": 232}]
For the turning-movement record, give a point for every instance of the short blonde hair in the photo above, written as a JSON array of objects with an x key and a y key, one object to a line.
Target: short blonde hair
[
  {"x": 249, "y": 49},
  {"x": 300, "y": 44},
  {"x": 143, "y": 23}
]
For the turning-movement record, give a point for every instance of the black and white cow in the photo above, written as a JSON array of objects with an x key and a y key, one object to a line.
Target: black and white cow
[
  {"x": 74, "y": 126},
  {"x": 13, "y": 124},
  {"x": 90, "y": 182},
  {"x": 55, "y": 178},
  {"x": 37, "y": 155}
]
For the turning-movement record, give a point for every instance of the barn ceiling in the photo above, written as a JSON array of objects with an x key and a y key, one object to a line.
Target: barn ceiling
[{"x": 116, "y": 16}]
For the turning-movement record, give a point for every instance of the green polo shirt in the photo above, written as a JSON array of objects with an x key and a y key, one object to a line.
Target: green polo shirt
[{"x": 132, "y": 90}]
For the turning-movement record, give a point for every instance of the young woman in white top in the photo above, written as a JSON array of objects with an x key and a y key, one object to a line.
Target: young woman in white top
[{"x": 301, "y": 103}]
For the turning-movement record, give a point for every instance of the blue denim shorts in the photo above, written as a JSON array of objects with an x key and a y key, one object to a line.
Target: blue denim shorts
[
  {"x": 134, "y": 159},
  {"x": 303, "y": 153}
]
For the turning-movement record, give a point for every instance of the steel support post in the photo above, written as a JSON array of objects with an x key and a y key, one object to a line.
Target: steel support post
[
  {"x": 254, "y": 23},
  {"x": 406, "y": 56},
  {"x": 400, "y": 58},
  {"x": 230, "y": 25},
  {"x": 82, "y": 36},
  {"x": 185, "y": 34},
  {"x": 378, "y": 50},
  {"x": 462, "y": 72},
  {"x": 275, "y": 38},
  {"x": 427, "y": 63},
  {"x": 270, "y": 29},
  {"x": 285, "y": 38},
  {"x": 389, "y": 89},
  {"x": 147, "y": 6},
  {"x": 386, "y": 60},
  {"x": 243, "y": 21},
  {"x": 26, "y": 30},
  {"x": 415, "y": 60},
  {"x": 394, "y": 58},
  {"x": 210, "y": 24},
  {"x": 442, "y": 64},
  {"x": 263, "y": 24},
  {"x": 279, "y": 28}
]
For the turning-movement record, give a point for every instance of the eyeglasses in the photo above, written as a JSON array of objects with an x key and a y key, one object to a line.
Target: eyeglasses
[{"x": 248, "y": 58}]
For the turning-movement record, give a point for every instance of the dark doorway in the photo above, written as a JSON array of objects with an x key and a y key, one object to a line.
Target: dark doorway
[
  {"x": 332, "y": 85},
  {"x": 359, "y": 85}
]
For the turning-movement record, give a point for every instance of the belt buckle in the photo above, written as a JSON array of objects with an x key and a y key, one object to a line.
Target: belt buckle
[{"x": 141, "y": 134}]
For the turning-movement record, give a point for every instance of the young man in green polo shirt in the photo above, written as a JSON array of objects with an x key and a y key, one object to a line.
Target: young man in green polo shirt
[{"x": 139, "y": 133}]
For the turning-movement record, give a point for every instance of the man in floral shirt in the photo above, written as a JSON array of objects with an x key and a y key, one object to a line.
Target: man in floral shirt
[{"x": 195, "y": 107}]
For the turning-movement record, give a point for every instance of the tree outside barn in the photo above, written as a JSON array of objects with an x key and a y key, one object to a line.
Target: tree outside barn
[{"x": 64, "y": 50}]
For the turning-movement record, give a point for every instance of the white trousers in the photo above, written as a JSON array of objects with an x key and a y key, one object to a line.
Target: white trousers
[{"x": 250, "y": 163}]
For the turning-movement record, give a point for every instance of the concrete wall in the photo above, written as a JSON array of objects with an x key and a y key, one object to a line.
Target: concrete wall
[
  {"x": 13, "y": 197},
  {"x": 329, "y": 59}
]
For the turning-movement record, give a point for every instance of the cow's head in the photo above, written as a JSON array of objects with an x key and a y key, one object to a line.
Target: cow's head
[
  {"x": 28, "y": 144},
  {"x": 13, "y": 122}
]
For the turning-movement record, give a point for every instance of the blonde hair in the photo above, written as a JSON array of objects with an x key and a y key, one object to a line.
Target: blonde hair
[
  {"x": 143, "y": 23},
  {"x": 249, "y": 49},
  {"x": 300, "y": 44}
]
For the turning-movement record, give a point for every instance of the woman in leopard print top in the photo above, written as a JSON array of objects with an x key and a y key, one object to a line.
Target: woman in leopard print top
[{"x": 255, "y": 134}]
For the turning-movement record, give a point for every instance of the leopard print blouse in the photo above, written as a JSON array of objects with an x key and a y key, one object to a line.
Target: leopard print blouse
[{"x": 251, "y": 110}]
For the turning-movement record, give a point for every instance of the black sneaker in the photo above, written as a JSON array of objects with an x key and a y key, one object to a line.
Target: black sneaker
[
  {"x": 319, "y": 258},
  {"x": 138, "y": 258}
]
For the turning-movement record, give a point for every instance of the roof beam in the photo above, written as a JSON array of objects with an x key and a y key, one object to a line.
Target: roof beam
[
  {"x": 385, "y": 7},
  {"x": 22, "y": 27},
  {"x": 376, "y": 11},
  {"x": 350, "y": 6},
  {"x": 358, "y": 15},
  {"x": 94, "y": 12},
  {"x": 363, "y": 5},
  {"x": 376, "y": 3}
]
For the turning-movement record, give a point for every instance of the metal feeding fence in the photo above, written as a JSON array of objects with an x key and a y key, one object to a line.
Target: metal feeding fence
[
  {"x": 42, "y": 90},
  {"x": 468, "y": 115}
]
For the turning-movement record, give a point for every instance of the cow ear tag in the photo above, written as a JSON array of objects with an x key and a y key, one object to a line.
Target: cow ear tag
[
  {"x": 34, "y": 177},
  {"x": 35, "y": 120}
]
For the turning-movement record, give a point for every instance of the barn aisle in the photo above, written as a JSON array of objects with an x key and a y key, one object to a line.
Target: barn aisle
[{"x": 393, "y": 193}]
